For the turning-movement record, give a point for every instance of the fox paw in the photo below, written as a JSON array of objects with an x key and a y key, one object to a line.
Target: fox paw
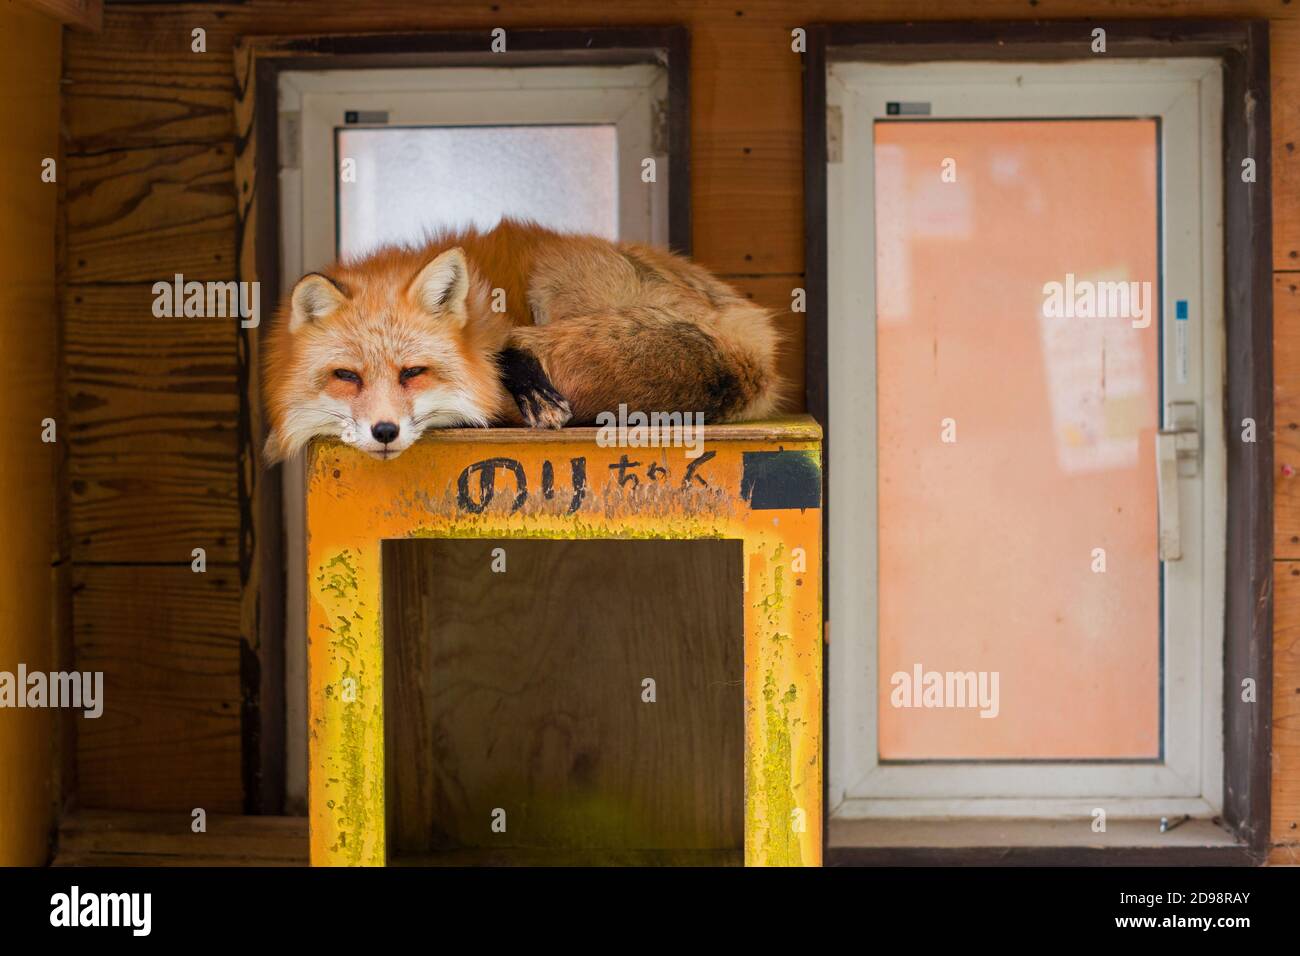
[
  {"x": 525, "y": 379},
  {"x": 543, "y": 408}
]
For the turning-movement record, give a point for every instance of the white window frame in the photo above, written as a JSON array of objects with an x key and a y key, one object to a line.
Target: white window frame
[
  {"x": 312, "y": 103},
  {"x": 1186, "y": 95}
]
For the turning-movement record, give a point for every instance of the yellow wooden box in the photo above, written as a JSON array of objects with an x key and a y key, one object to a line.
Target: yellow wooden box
[{"x": 760, "y": 483}]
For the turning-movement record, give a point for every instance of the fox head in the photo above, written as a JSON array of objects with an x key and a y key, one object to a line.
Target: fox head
[{"x": 380, "y": 350}]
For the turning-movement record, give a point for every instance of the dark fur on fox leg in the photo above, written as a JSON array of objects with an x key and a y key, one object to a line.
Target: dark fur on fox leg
[{"x": 524, "y": 378}]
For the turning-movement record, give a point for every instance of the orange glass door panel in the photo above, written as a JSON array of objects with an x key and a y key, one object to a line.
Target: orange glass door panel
[{"x": 1015, "y": 448}]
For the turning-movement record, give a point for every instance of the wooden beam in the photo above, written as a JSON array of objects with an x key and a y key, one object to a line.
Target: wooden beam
[{"x": 124, "y": 838}]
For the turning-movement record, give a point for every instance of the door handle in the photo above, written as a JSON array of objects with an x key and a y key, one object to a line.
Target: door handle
[{"x": 1178, "y": 449}]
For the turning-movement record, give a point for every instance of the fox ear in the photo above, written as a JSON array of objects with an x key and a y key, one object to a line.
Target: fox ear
[
  {"x": 443, "y": 285},
  {"x": 314, "y": 297}
]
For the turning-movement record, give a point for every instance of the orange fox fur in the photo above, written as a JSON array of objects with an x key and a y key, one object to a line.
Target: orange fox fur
[{"x": 378, "y": 349}]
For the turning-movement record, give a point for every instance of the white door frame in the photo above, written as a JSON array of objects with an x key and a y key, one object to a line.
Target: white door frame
[
  {"x": 312, "y": 104},
  {"x": 1186, "y": 95}
]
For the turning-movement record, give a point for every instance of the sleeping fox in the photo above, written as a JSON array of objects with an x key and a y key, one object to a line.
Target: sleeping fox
[{"x": 516, "y": 326}]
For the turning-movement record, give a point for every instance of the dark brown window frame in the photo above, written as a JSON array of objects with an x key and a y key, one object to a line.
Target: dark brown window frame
[
  {"x": 1242, "y": 47},
  {"x": 258, "y": 62}
]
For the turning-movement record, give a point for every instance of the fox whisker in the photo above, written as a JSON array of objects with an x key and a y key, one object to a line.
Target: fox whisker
[
  {"x": 427, "y": 416},
  {"x": 347, "y": 420}
]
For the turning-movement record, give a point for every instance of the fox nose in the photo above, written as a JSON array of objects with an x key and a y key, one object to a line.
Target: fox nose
[{"x": 384, "y": 432}]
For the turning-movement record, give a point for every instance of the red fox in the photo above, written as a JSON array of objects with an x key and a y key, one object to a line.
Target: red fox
[{"x": 519, "y": 325}]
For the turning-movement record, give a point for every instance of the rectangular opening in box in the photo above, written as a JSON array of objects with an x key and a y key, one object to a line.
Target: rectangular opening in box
[{"x": 563, "y": 702}]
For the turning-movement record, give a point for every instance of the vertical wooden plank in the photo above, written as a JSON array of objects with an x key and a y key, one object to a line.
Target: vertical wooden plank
[
  {"x": 1284, "y": 40},
  {"x": 29, "y": 322},
  {"x": 814, "y": 228},
  {"x": 261, "y": 550},
  {"x": 1248, "y": 316},
  {"x": 746, "y": 125},
  {"x": 1286, "y": 705},
  {"x": 1286, "y": 400},
  {"x": 345, "y": 704}
]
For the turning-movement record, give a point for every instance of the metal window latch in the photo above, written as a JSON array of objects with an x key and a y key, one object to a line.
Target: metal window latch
[{"x": 1178, "y": 455}]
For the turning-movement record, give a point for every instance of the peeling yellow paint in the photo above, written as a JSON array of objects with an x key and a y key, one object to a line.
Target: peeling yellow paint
[{"x": 434, "y": 490}]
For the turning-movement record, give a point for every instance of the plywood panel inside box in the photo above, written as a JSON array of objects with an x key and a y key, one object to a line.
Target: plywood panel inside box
[{"x": 523, "y": 690}]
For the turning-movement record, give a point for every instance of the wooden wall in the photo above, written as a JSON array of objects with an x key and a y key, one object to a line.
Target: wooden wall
[
  {"x": 154, "y": 405},
  {"x": 30, "y": 563}
]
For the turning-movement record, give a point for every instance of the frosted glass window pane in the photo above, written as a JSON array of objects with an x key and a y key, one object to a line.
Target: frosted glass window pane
[{"x": 412, "y": 180}]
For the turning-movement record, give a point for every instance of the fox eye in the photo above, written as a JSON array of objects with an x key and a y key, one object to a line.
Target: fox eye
[
  {"x": 347, "y": 376},
  {"x": 409, "y": 373}
]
